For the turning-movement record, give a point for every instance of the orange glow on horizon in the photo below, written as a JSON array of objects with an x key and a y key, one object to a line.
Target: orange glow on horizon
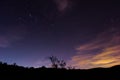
[{"x": 108, "y": 55}]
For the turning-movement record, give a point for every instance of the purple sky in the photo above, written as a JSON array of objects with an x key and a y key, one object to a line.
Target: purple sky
[{"x": 83, "y": 33}]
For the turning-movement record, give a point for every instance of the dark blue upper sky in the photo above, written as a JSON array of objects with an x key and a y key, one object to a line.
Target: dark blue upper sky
[{"x": 73, "y": 30}]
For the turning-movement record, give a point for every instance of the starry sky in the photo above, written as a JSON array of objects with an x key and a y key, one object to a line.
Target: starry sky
[{"x": 86, "y": 34}]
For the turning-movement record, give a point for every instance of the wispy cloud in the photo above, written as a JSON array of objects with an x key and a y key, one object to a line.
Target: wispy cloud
[
  {"x": 103, "y": 51},
  {"x": 11, "y": 35}
]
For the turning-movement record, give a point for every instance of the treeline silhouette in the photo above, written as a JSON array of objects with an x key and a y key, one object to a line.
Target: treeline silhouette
[{"x": 15, "y": 72}]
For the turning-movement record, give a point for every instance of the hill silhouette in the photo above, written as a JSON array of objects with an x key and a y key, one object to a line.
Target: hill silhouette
[{"x": 15, "y": 72}]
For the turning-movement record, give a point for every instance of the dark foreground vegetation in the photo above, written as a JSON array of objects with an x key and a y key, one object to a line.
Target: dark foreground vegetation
[{"x": 14, "y": 72}]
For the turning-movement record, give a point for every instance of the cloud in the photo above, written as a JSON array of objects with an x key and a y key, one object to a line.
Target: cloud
[
  {"x": 103, "y": 51},
  {"x": 11, "y": 35},
  {"x": 62, "y": 5}
]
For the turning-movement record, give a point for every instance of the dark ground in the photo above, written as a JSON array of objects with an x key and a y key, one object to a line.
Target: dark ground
[{"x": 14, "y": 72}]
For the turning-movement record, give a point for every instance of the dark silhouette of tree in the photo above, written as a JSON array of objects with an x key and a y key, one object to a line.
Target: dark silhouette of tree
[
  {"x": 54, "y": 61},
  {"x": 57, "y": 63},
  {"x": 5, "y": 63},
  {"x": 62, "y": 63},
  {"x": 14, "y": 64},
  {"x": 1, "y": 62},
  {"x": 43, "y": 67}
]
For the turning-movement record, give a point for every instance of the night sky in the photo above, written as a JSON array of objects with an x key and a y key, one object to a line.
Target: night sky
[{"x": 86, "y": 34}]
